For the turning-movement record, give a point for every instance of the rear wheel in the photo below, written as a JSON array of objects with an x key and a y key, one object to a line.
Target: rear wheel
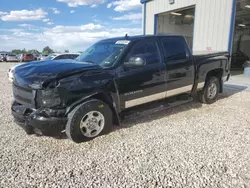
[
  {"x": 210, "y": 91},
  {"x": 89, "y": 120}
]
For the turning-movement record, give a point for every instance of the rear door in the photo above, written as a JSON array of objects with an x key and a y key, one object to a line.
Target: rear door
[
  {"x": 142, "y": 84},
  {"x": 179, "y": 65}
]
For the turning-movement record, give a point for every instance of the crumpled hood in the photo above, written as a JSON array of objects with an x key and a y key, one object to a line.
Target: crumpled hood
[{"x": 39, "y": 72}]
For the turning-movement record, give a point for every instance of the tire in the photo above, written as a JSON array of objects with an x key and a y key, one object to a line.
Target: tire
[
  {"x": 29, "y": 130},
  {"x": 83, "y": 115},
  {"x": 209, "y": 95}
]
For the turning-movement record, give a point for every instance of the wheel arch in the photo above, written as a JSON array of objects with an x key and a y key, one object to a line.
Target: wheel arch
[
  {"x": 102, "y": 96},
  {"x": 216, "y": 73}
]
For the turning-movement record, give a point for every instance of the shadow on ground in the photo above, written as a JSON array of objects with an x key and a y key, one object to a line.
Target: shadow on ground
[
  {"x": 235, "y": 72},
  {"x": 234, "y": 87}
]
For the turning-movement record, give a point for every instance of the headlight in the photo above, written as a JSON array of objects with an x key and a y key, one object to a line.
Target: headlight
[
  {"x": 48, "y": 98},
  {"x": 51, "y": 102}
]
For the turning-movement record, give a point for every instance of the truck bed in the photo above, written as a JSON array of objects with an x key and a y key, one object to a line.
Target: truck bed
[{"x": 210, "y": 53}]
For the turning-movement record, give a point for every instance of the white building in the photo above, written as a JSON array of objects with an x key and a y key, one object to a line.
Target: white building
[{"x": 211, "y": 25}]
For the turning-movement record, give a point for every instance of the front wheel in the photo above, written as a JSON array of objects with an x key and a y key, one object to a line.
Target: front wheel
[
  {"x": 210, "y": 91},
  {"x": 89, "y": 120}
]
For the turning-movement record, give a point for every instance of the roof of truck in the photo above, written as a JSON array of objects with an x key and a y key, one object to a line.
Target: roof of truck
[{"x": 135, "y": 37}]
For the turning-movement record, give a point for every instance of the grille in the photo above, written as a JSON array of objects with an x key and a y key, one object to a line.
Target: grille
[{"x": 24, "y": 96}]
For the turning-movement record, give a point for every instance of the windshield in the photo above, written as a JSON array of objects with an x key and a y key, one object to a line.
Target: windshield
[{"x": 103, "y": 53}]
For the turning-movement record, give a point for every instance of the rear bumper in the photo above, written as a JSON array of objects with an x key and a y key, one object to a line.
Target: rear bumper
[{"x": 32, "y": 120}]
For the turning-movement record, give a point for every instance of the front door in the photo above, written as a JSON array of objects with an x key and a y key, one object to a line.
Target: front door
[{"x": 140, "y": 85}]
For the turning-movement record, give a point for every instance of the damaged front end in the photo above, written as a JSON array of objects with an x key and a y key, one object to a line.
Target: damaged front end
[
  {"x": 39, "y": 110},
  {"x": 42, "y": 95},
  {"x": 50, "y": 122}
]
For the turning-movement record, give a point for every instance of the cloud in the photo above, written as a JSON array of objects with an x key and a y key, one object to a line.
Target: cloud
[
  {"x": 29, "y": 27},
  {"x": 61, "y": 37},
  {"x": 129, "y": 17},
  {"x": 80, "y": 37},
  {"x": 125, "y": 5},
  {"x": 46, "y": 20},
  {"x": 55, "y": 11},
  {"x": 3, "y": 13},
  {"x": 74, "y": 29},
  {"x": 93, "y": 6},
  {"x": 109, "y": 5},
  {"x": 11, "y": 30},
  {"x": 72, "y": 12},
  {"x": 24, "y": 15},
  {"x": 22, "y": 34},
  {"x": 75, "y": 3},
  {"x": 24, "y": 25},
  {"x": 50, "y": 23}
]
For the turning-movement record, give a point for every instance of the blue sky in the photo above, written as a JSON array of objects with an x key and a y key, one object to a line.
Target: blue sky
[{"x": 66, "y": 24}]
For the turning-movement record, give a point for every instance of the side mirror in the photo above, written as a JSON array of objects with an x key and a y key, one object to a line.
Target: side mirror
[{"x": 134, "y": 62}]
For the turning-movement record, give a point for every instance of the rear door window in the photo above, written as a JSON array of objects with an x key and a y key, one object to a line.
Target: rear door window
[{"x": 174, "y": 49}]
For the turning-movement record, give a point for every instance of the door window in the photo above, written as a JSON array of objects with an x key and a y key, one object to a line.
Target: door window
[
  {"x": 174, "y": 49},
  {"x": 146, "y": 49}
]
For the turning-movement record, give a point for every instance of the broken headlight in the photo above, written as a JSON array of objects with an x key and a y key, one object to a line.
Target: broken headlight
[{"x": 48, "y": 98}]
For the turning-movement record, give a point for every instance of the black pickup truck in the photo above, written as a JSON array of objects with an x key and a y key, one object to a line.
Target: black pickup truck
[{"x": 86, "y": 97}]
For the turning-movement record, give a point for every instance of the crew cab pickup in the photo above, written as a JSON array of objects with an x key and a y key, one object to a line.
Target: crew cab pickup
[{"x": 87, "y": 96}]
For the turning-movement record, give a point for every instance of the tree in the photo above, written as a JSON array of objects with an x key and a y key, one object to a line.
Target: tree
[
  {"x": 24, "y": 51},
  {"x": 47, "y": 50},
  {"x": 16, "y": 51},
  {"x": 33, "y": 51}
]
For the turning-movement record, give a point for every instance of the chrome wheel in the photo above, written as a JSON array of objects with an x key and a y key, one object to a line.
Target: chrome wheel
[
  {"x": 92, "y": 124},
  {"x": 212, "y": 91}
]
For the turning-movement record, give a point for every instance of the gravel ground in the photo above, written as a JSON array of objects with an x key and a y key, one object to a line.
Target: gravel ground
[{"x": 192, "y": 145}]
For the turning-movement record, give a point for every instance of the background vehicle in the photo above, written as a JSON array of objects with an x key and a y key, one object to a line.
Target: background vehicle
[
  {"x": 11, "y": 58},
  {"x": 28, "y": 57},
  {"x": 37, "y": 57},
  {"x": 51, "y": 57},
  {"x": 41, "y": 57},
  {"x": 20, "y": 57},
  {"x": 3, "y": 57},
  {"x": 57, "y": 56},
  {"x": 86, "y": 99},
  {"x": 11, "y": 72}
]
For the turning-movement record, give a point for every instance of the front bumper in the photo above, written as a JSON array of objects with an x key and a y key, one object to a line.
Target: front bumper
[{"x": 38, "y": 121}]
